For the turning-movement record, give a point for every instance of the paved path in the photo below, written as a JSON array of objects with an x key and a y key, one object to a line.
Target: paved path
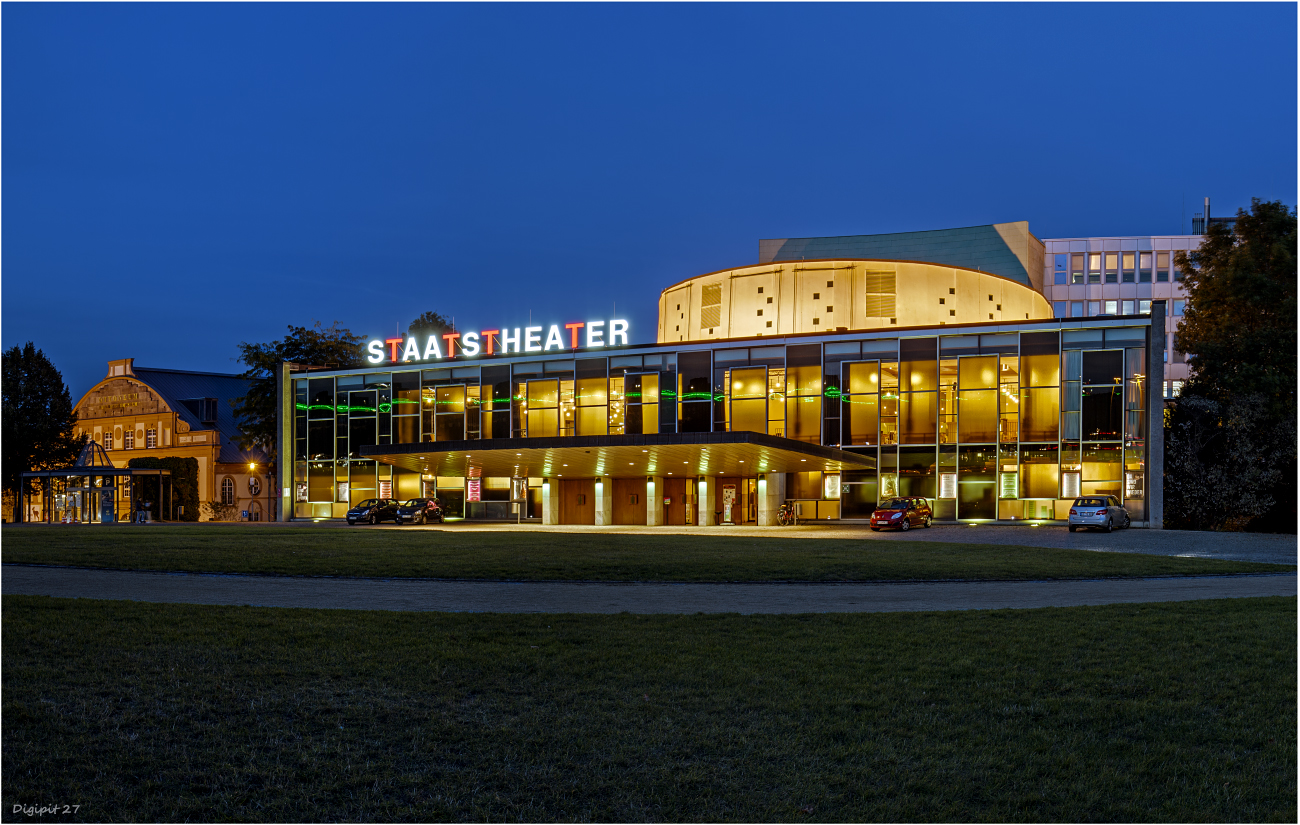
[{"x": 599, "y": 597}]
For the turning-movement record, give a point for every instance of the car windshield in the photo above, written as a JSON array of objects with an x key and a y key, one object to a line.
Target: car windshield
[
  {"x": 415, "y": 502},
  {"x": 896, "y": 504},
  {"x": 370, "y": 502},
  {"x": 1090, "y": 502}
]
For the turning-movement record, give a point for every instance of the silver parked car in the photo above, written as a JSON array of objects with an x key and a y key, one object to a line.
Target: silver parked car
[{"x": 1102, "y": 512}]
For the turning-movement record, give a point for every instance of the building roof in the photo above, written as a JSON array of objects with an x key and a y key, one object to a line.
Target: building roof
[
  {"x": 177, "y": 386},
  {"x": 1000, "y": 249}
]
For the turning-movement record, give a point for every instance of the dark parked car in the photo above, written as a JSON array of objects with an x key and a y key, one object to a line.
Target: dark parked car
[
  {"x": 1102, "y": 512},
  {"x": 420, "y": 511},
  {"x": 904, "y": 513},
  {"x": 373, "y": 510}
]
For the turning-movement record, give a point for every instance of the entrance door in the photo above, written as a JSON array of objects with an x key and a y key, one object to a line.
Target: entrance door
[
  {"x": 751, "y": 501},
  {"x": 577, "y": 501},
  {"x": 676, "y": 506},
  {"x": 629, "y": 501}
]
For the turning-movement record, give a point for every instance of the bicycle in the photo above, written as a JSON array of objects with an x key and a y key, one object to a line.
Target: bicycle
[{"x": 785, "y": 515}]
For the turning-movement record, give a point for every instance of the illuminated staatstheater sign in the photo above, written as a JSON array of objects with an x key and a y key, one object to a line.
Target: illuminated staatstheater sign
[{"x": 577, "y": 335}]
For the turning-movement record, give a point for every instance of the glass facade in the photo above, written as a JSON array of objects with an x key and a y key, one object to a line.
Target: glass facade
[{"x": 991, "y": 425}]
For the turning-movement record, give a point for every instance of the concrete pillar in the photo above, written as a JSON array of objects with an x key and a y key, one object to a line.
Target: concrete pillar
[
  {"x": 550, "y": 501},
  {"x": 771, "y": 492},
  {"x": 1156, "y": 418},
  {"x": 706, "y": 492},
  {"x": 604, "y": 501},
  {"x": 654, "y": 501}
]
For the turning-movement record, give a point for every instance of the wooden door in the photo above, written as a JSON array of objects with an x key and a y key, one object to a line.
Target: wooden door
[
  {"x": 675, "y": 494},
  {"x": 577, "y": 501},
  {"x": 629, "y": 501}
]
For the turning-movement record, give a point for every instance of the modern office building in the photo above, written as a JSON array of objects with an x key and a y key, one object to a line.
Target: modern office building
[{"x": 832, "y": 373}]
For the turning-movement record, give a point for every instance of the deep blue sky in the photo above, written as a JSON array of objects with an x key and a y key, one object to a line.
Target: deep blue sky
[{"x": 178, "y": 178}]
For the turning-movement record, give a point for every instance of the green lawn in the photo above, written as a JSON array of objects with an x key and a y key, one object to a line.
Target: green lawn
[
  {"x": 550, "y": 555},
  {"x": 1163, "y": 712}
]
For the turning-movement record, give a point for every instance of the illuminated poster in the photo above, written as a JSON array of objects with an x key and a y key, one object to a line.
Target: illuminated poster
[
  {"x": 1069, "y": 485},
  {"x": 947, "y": 485},
  {"x": 385, "y": 489},
  {"x": 474, "y": 489},
  {"x": 831, "y": 487},
  {"x": 728, "y": 501},
  {"x": 1010, "y": 485}
]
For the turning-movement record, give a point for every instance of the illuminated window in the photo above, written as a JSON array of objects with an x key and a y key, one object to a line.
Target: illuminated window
[
  {"x": 1094, "y": 267},
  {"x": 1111, "y": 308},
  {"x": 227, "y": 491},
  {"x": 108, "y": 441},
  {"x": 150, "y": 439},
  {"x": 128, "y": 440},
  {"x": 1112, "y": 267},
  {"x": 1162, "y": 268},
  {"x": 1127, "y": 260},
  {"x": 1128, "y": 307}
]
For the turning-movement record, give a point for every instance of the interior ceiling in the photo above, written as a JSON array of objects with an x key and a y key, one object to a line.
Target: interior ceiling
[{"x": 731, "y": 454}]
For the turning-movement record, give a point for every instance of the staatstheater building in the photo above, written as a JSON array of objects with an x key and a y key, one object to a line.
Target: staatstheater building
[{"x": 833, "y": 373}]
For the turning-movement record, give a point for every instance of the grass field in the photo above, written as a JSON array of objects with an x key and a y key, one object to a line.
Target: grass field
[
  {"x": 547, "y": 555},
  {"x": 1173, "y": 712}
]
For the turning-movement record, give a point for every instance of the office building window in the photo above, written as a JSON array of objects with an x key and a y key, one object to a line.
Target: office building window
[
  {"x": 1112, "y": 307},
  {"x": 1094, "y": 308},
  {"x": 1094, "y": 267},
  {"x": 1179, "y": 304},
  {"x": 1128, "y": 307},
  {"x": 1144, "y": 267},
  {"x": 1112, "y": 267},
  {"x": 1162, "y": 267},
  {"x": 1060, "y": 269},
  {"x": 1127, "y": 266},
  {"x": 1076, "y": 309},
  {"x": 1060, "y": 309},
  {"x": 1144, "y": 307},
  {"x": 1076, "y": 268},
  {"x": 150, "y": 439}
]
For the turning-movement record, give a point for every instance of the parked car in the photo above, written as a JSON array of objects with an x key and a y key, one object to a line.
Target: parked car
[
  {"x": 1100, "y": 512},
  {"x": 373, "y": 510},
  {"x": 420, "y": 511},
  {"x": 904, "y": 513}
]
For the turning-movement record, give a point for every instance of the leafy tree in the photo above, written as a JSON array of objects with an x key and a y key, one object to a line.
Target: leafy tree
[
  {"x": 1232, "y": 436},
  {"x": 38, "y": 417},
  {"x": 319, "y": 346},
  {"x": 429, "y": 323}
]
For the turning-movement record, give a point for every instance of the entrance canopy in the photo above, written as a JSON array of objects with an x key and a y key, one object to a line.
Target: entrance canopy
[{"x": 619, "y": 456}]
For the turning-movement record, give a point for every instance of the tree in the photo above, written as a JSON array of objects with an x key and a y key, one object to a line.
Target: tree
[
  {"x": 429, "y": 323},
  {"x": 38, "y": 418},
  {"x": 319, "y": 346},
  {"x": 1232, "y": 438}
]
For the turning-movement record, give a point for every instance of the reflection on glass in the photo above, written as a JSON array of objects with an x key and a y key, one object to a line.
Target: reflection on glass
[
  {"x": 977, "y": 415},
  {"x": 978, "y": 372},
  {"x": 861, "y": 413},
  {"x": 864, "y": 377},
  {"x": 917, "y": 418}
]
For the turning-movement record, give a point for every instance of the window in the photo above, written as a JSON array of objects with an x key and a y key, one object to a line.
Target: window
[
  {"x": 128, "y": 440},
  {"x": 1179, "y": 305},
  {"x": 1094, "y": 308},
  {"x": 952, "y": 312},
  {"x": 150, "y": 439},
  {"x": 1144, "y": 267},
  {"x": 1128, "y": 307},
  {"x": 1060, "y": 309},
  {"x": 1076, "y": 309},
  {"x": 1094, "y": 267},
  {"x": 227, "y": 491},
  {"x": 769, "y": 300},
  {"x": 1076, "y": 268},
  {"x": 1060, "y": 271},
  {"x": 108, "y": 441},
  {"x": 830, "y": 308},
  {"x": 1112, "y": 267},
  {"x": 760, "y": 313},
  {"x": 941, "y": 301},
  {"x": 1111, "y": 308},
  {"x": 769, "y": 323},
  {"x": 254, "y": 486},
  {"x": 830, "y": 284},
  {"x": 760, "y": 290},
  {"x": 1162, "y": 268},
  {"x": 952, "y": 291},
  {"x": 817, "y": 296},
  {"x": 1144, "y": 307},
  {"x": 1127, "y": 266}
]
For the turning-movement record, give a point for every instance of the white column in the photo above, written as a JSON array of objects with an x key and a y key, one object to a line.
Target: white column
[
  {"x": 771, "y": 492},
  {"x": 654, "y": 501},
  {"x": 707, "y": 491},
  {"x": 550, "y": 501},
  {"x": 604, "y": 501}
]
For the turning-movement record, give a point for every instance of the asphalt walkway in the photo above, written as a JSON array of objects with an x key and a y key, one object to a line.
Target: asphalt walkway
[{"x": 617, "y": 597}]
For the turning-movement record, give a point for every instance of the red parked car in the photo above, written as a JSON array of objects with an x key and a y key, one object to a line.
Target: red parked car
[{"x": 903, "y": 513}]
